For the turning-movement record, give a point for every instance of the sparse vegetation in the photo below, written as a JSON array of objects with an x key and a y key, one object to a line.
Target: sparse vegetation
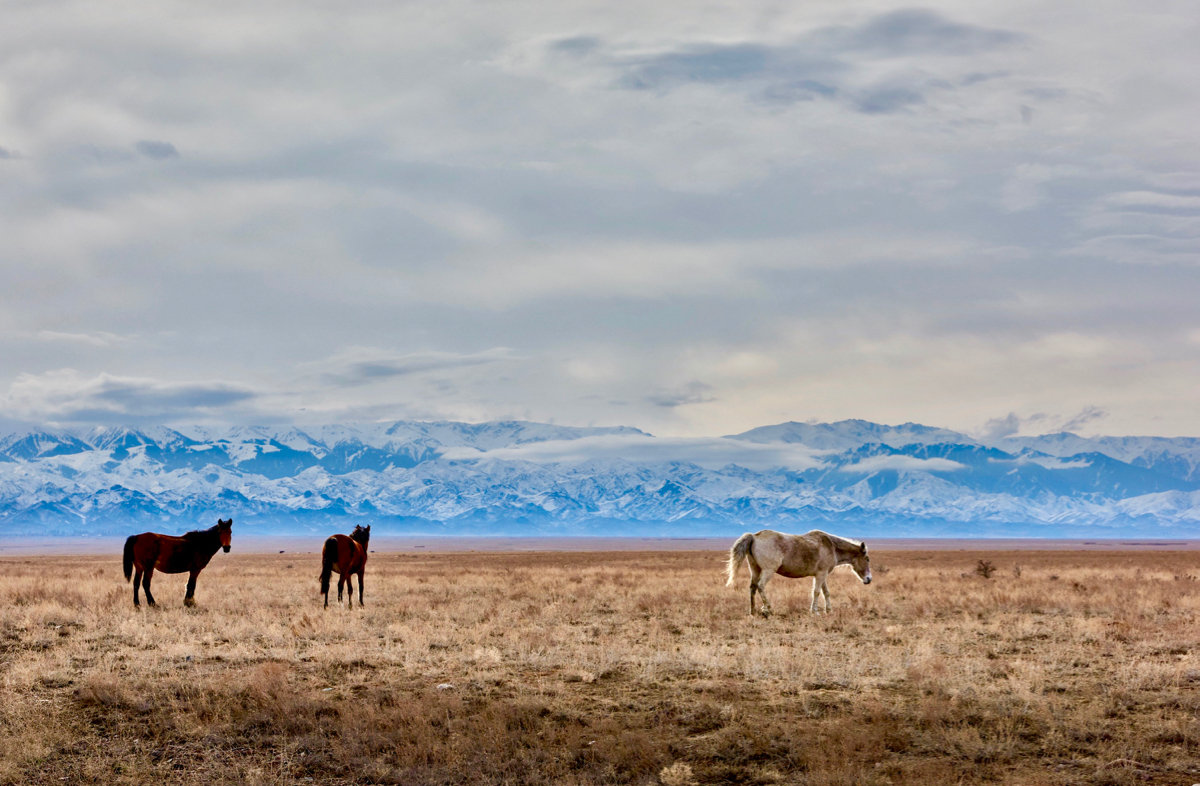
[{"x": 591, "y": 668}]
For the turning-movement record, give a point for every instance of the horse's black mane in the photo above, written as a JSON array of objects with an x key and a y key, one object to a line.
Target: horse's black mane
[{"x": 200, "y": 534}]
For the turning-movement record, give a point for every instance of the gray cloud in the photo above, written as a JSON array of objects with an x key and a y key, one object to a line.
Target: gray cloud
[
  {"x": 577, "y": 45},
  {"x": 70, "y": 397},
  {"x": 364, "y": 366},
  {"x": 819, "y": 64},
  {"x": 710, "y": 63},
  {"x": 998, "y": 428},
  {"x": 692, "y": 393},
  {"x": 916, "y": 31},
  {"x": 897, "y": 463},
  {"x": 137, "y": 397},
  {"x": 711, "y": 453},
  {"x": 158, "y": 151},
  {"x": 1013, "y": 425},
  {"x": 1083, "y": 418},
  {"x": 883, "y": 100}
]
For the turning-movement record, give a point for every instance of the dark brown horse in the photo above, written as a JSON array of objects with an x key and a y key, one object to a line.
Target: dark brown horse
[
  {"x": 171, "y": 554},
  {"x": 347, "y": 556}
]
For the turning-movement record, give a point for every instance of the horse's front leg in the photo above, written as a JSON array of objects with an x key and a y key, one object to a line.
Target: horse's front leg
[
  {"x": 190, "y": 598},
  {"x": 815, "y": 606},
  {"x": 360, "y": 589}
]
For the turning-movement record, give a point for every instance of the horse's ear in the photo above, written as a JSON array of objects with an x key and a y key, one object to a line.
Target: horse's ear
[{"x": 864, "y": 547}]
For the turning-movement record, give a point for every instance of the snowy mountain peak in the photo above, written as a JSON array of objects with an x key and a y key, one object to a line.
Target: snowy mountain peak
[{"x": 525, "y": 477}]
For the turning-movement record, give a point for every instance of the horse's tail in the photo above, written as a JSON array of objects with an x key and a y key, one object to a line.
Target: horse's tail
[
  {"x": 328, "y": 557},
  {"x": 737, "y": 555},
  {"x": 129, "y": 556}
]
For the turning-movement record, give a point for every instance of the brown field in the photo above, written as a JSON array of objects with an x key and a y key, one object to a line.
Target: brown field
[{"x": 1065, "y": 667}]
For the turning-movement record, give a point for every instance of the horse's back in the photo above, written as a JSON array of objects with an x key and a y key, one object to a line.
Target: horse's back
[
  {"x": 358, "y": 555},
  {"x": 348, "y": 556},
  {"x": 146, "y": 547},
  {"x": 170, "y": 553},
  {"x": 795, "y": 555}
]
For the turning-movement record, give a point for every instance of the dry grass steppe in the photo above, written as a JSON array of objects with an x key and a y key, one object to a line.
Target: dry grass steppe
[{"x": 605, "y": 668}]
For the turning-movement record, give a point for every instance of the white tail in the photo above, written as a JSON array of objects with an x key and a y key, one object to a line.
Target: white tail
[{"x": 737, "y": 555}]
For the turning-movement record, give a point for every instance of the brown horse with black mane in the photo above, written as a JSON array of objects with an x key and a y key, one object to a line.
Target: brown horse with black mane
[
  {"x": 170, "y": 554},
  {"x": 347, "y": 556}
]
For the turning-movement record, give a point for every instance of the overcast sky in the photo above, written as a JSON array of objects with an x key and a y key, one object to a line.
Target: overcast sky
[{"x": 690, "y": 218}]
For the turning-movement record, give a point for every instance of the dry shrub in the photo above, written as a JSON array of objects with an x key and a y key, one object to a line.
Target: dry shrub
[
  {"x": 104, "y": 691},
  {"x": 677, "y": 774}
]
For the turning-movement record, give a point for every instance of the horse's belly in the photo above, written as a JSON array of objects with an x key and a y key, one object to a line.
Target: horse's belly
[
  {"x": 793, "y": 573},
  {"x": 176, "y": 563}
]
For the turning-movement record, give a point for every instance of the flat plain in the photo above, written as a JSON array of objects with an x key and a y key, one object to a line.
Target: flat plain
[{"x": 638, "y": 667}]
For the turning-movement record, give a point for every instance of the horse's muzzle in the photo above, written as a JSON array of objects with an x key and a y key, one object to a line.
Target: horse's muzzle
[
  {"x": 226, "y": 549},
  {"x": 867, "y": 580}
]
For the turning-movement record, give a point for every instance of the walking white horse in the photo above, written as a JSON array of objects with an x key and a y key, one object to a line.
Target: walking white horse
[{"x": 811, "y": 554}]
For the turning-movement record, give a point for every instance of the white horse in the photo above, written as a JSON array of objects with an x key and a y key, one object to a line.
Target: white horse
[{"x": 811, "y": 554}]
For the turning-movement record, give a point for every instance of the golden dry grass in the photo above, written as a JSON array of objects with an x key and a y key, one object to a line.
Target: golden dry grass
[{"x": 591, "y": 668}]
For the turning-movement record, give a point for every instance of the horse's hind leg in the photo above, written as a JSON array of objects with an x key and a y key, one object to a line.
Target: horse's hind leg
[
  {"x": 825, "y": 593},
  {"x": 137, "y": 583},
  {"x": 765, "y": 604},
  {"x": 146, "y": 585}
]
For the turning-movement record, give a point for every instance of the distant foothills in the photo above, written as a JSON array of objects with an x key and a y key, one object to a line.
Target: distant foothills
[{"x": 519, "y": 478}]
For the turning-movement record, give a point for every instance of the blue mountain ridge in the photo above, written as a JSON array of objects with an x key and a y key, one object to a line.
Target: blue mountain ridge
[{"x": 517, "y": 477}]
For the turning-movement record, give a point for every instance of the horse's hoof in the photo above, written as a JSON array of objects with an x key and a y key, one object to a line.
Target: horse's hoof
[{"x": 189, "y": 602}]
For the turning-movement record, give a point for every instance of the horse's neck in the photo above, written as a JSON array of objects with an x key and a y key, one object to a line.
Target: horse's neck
[
  {"x": 209, "y": 542},
  {"x": 843, "y": 550}
]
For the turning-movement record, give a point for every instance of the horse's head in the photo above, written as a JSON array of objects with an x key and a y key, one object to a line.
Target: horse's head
[
  {"x": 225, "y": 533},
  {"x": 861, "y": 563},
  {"x": 361, "y": 534}
]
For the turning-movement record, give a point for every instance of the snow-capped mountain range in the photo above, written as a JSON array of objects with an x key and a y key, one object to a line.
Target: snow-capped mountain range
[{"x": 515, "y": 477}]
